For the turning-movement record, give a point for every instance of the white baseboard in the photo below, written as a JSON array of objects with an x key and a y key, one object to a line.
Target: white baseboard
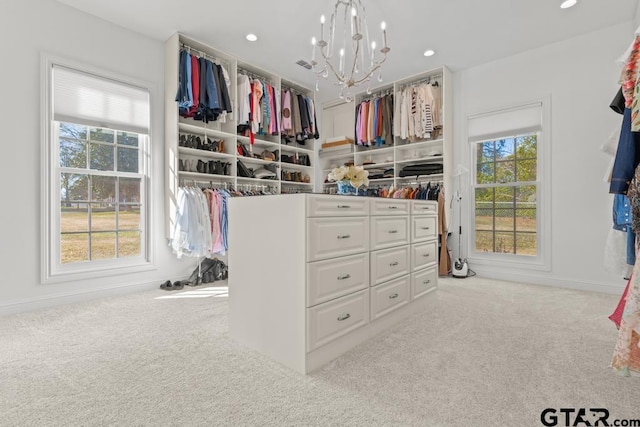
[
  {"x": 48, "y": 301},
  {"x": 606, "y": 288}
]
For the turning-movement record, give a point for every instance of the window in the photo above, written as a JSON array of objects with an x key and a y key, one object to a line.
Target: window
[
  {"x": 505, "y": 195},
  {"x": 508, "y": 185},
  {"x": 96, "y": 190}
]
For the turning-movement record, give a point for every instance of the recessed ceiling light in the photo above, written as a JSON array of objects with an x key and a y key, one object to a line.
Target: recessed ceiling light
[
  {"x": 252, "y": 37},
  {"x": 566, "y": 4},
  {"x": 429, "y": 52}
]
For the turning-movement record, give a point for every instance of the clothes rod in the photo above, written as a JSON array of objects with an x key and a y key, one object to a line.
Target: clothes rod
[
  {"x": 203, "y": 54},
  {"x": 251, "y": 74},
  {"x": 423, "y": 80}
]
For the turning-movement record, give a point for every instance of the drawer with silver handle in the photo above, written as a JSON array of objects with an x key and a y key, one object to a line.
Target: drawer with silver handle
[
  {"x": 389, "y": 207},
  {"x": 336, "y": 237},
  {"x": 423, "y": 255},
  {"x": 390, "y": 296},
  {"x": 423, "y": 228},
  {"x": 423, "y": 282},
  {"x": 337, "y": 206},
  {"x": 333, "y": 319},
  {"x": 389, "y": 264},
  {"x": 389, "y": 231},
  {"x": 424, "y": 207},
  {"x": 333, "y": 278}
]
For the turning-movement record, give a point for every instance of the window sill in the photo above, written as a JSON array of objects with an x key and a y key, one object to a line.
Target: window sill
[
  {"x": 92, "y": 271},
  {"x": 510, "y": 261}
]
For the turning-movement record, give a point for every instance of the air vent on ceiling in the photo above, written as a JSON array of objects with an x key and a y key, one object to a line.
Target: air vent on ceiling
[{"x": 304, "y": 64}]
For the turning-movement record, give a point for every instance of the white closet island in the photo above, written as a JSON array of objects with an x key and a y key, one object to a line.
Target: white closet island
[{"x": 314, "y": 275}]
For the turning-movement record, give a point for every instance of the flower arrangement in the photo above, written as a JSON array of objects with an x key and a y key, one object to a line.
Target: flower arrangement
[{"x": 357, "y": 176}]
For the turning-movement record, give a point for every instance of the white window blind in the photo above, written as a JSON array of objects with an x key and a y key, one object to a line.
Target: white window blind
[
  {"x": 84, "y": 98},
  {"x": 498, "y": 124}
]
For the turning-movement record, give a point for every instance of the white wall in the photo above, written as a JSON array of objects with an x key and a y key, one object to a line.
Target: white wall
[
  {"x": 28, "y": 28},
  {"x": 580, "y": 76}
]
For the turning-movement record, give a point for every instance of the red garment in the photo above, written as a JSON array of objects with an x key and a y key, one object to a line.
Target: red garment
[{"x": 616, "y": 316}]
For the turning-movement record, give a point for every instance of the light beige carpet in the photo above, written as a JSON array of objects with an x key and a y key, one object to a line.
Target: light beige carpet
[{"x": 485, "y": 353}]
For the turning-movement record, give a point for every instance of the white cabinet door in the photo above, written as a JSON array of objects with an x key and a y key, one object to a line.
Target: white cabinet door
[
  {"x": 423, "y": 282},
  {"x": 389, "y": 207},
  {"x": 335, "y": 237},
  {"x": 389, "y": 264},
  {"x": 333, "y": 319},
  {"x": 424, "y": 255},
  {"x": 389, "y": 231},
  {"x": 333, "y": 278},
  {"x": 390, "y": 296},
  {"x": 337, "y": 206},
  {"x": 423, "y": 228},
  {"x": 422, "y": 207}
]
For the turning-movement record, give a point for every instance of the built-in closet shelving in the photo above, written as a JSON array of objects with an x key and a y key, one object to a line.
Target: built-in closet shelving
[
  {"x": 402, "y": 152},
  {"x": 176, "y": 125}
]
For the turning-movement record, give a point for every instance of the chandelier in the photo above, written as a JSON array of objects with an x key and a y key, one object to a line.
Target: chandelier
[{"x": 352, "y": 60}]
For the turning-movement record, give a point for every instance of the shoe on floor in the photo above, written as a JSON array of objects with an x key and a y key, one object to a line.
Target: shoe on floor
[{"x": 168, "y": 286}]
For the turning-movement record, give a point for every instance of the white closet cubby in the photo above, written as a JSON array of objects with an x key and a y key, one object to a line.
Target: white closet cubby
[{"x": 175, "y": 125}]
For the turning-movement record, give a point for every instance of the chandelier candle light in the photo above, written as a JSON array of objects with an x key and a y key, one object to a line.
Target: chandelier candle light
[{"x": 357, "y": 65}]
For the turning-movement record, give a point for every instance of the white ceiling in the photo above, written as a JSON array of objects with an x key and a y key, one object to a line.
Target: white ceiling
[{"x": 464, "y": 33}]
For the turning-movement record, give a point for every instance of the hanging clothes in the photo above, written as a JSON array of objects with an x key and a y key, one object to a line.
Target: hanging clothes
[
  {"x": 200, "y": 229},
  {"x": 203, "y": 88},
  {"x": 244, "y": 102},
  {"x": 443, "y": 232},
  {"x": 626, "y": 356},
  {"x": 420, "y": 112}
]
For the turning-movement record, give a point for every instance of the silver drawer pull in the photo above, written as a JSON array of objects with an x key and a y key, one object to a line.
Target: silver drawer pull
[
  {"x": 426, "y": 255},
  {"x": 426, "y": 208},
  {"x": 426, "y": 282},
  {"x": 394, "y": 296},
  {"x": 346, "y": 236},
  {"x": 393, "y": 207},
  {"x": 345, "y": 277},
  {"x": 393, "y": 231},
  {"x": 393, "y": 264},
  {"x": 426, "y": 228},
  {"x": 344, "y": 207},
  {"x": 345, "y": 317}
]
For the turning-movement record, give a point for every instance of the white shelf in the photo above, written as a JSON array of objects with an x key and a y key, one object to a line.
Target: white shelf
[
  {"x": 380, "y": 180},
  {"x": 203, "y": 153},
  {"x": 417, "y": 160},
  {"x": 385, "y": 165},
  {"x": 434, "y": 177},
  {"x": 286, "y": 147},
  {"x": 195, "y": 127},
  {"x": 374, "y": 151},
  {"x": 253, "y": 160},
  {"x": 205, "y": 176},
  {"x": 271, "y": 181},
  {"x": 285, "y": 165},
  {"x": 336, "y": 156},
  {"x": 300, "y": 184},
  {"x": 259, "y": 142},
  {"x": 421, "y": 144}
]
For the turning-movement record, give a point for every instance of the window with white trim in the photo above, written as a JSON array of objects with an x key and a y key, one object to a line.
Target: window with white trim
[
  {"x": 505, "y": 195},
  {"x": 97, "y": 172},
  {"x": 507, "y": 183}
]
